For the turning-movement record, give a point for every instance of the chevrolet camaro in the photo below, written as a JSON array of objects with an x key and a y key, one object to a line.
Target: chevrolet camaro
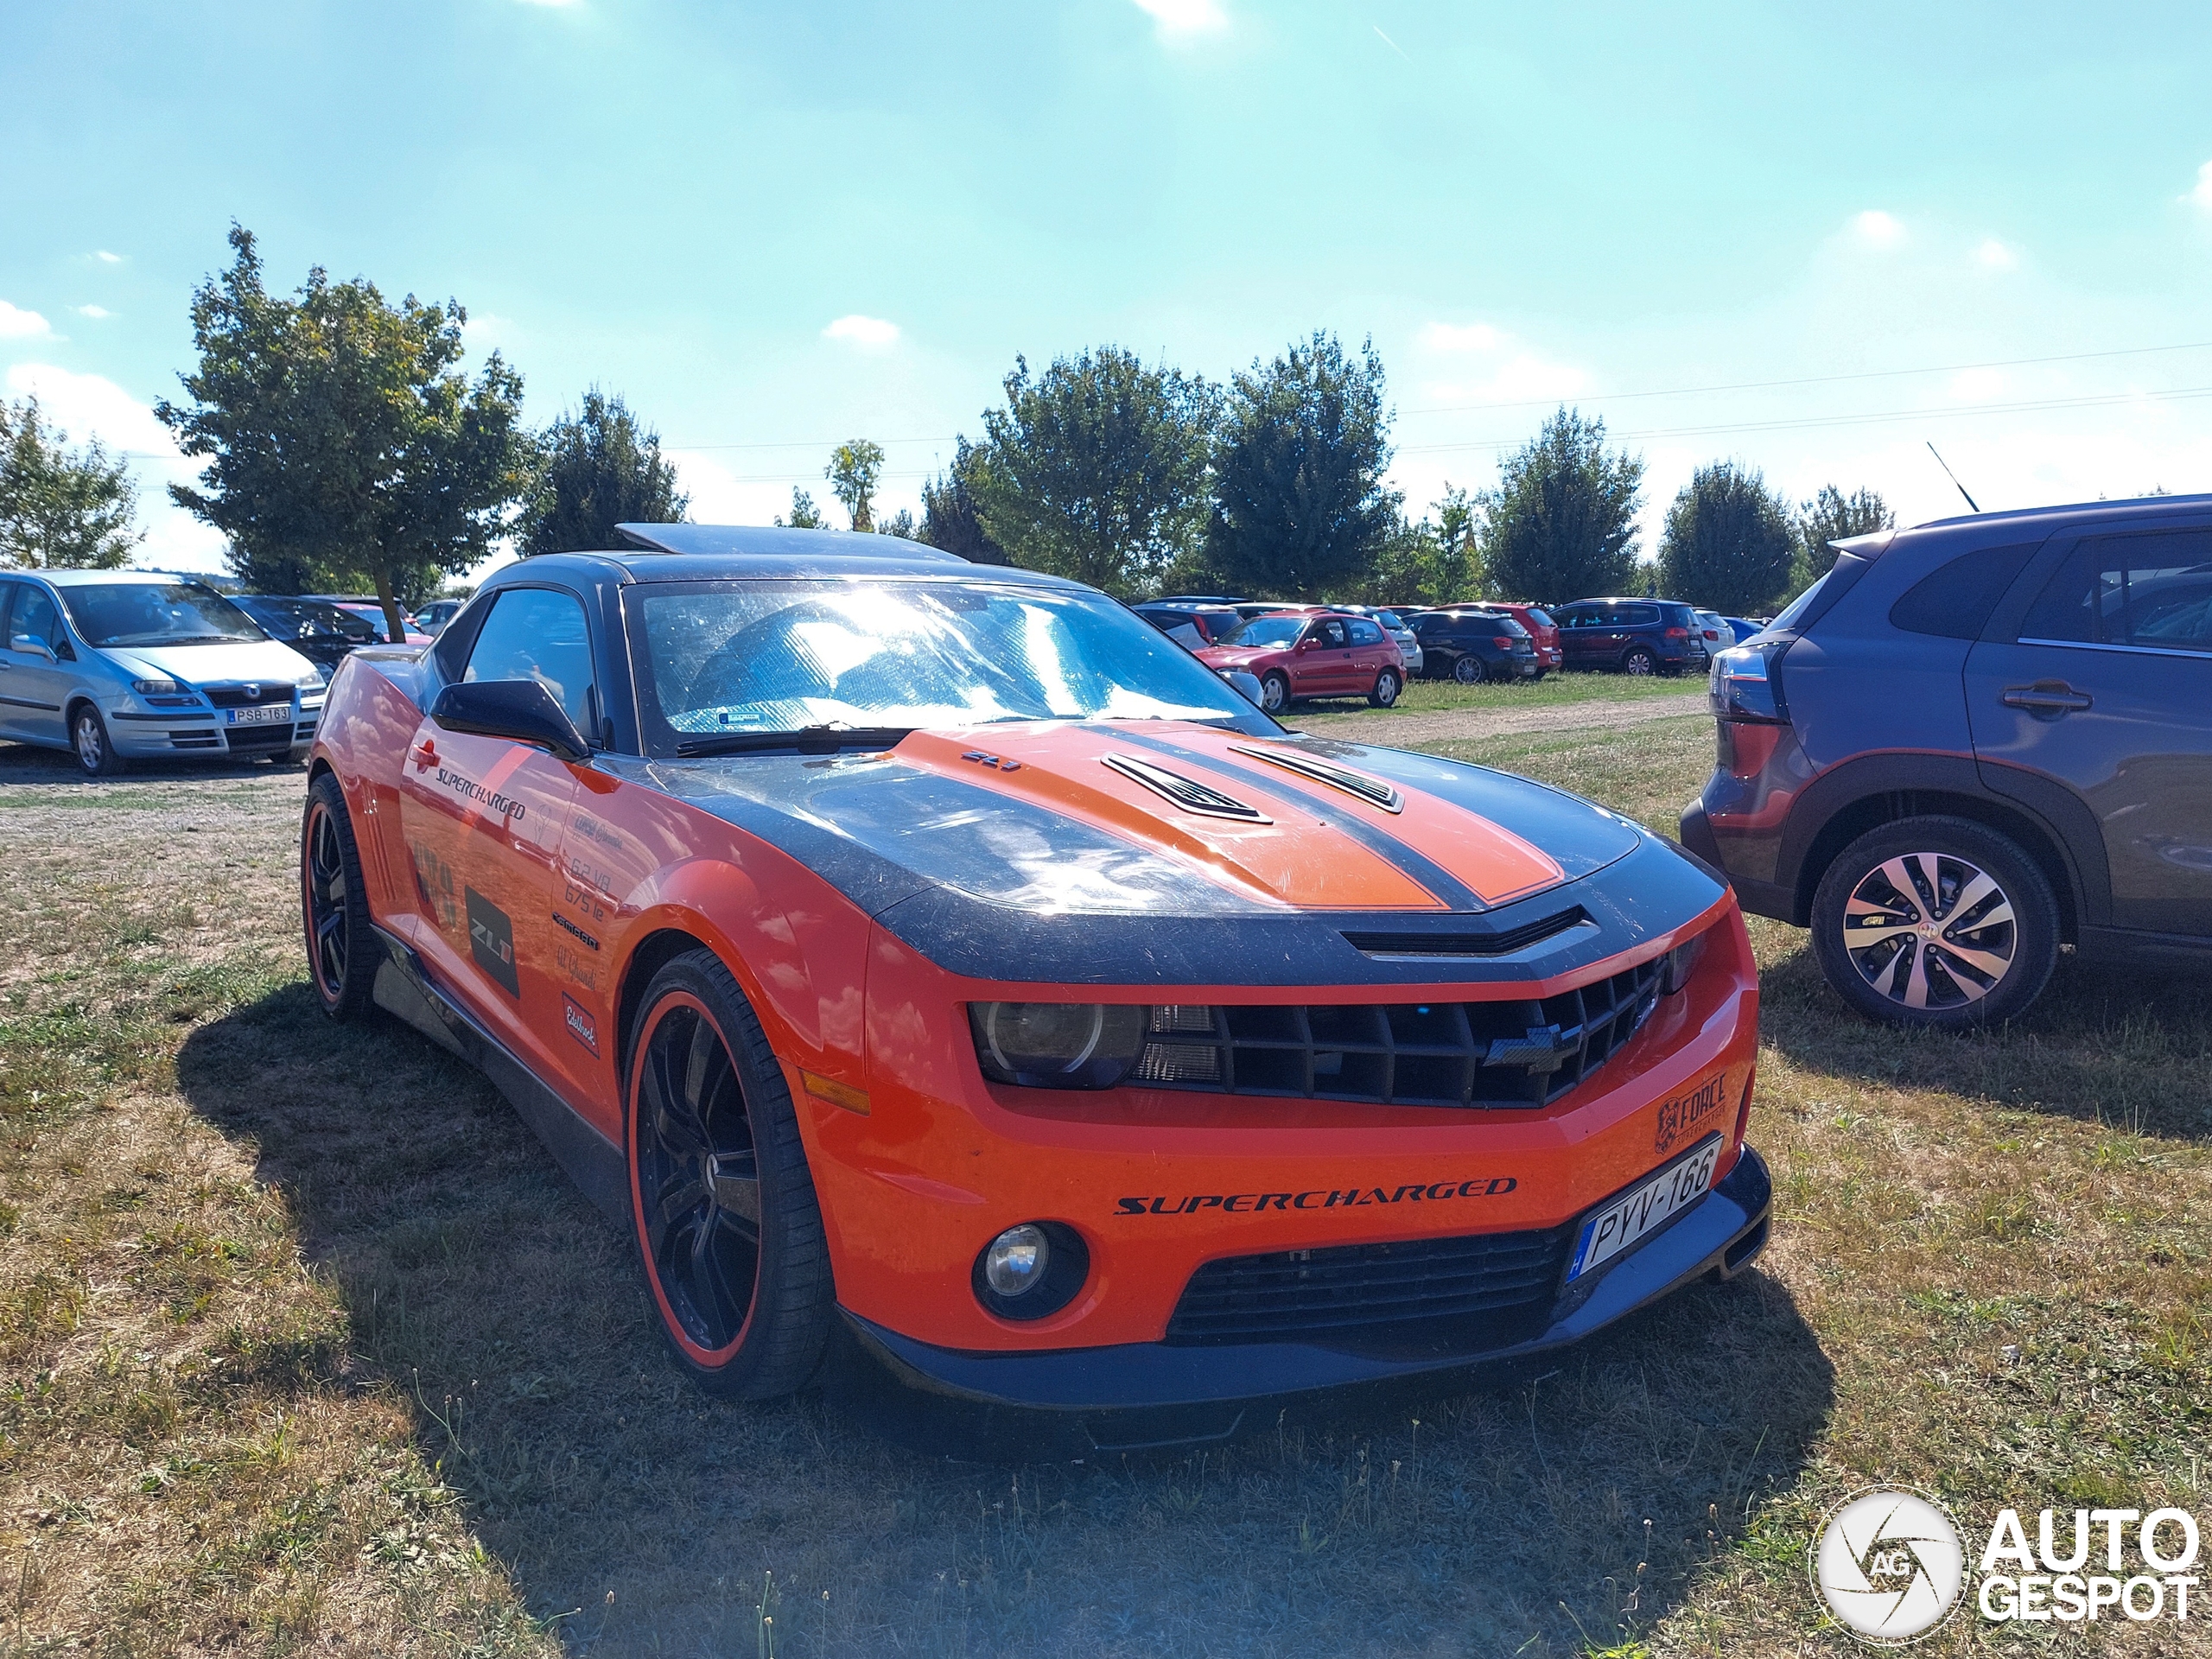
[{"x": 932, "y": 966}]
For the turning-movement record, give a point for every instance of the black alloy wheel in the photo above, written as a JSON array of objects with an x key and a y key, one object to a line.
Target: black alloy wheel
[
  {"x": 334, "y": 905},
  {"x": 88, "y": 737},
  {"x": 726, "y": 1223},
  {"x": 1935, "y": 921}
]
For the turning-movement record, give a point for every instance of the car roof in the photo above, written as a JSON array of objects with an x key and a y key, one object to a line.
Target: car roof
[
  {"x": 736, "y": 552},
  {"x": 85, "y": 578},
  {"x": 2129, "y": 506}
]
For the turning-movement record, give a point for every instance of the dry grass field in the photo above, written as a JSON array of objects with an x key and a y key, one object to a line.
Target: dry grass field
[{"x": 307, "y": 1347}]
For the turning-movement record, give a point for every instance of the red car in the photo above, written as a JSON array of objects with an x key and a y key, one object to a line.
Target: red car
[
  {"x": 1538, "y": 622},
  {"x": 372, "y": 613},
  {"x": 935, "y": 972},
  {"x": 1312, "y": 652}
]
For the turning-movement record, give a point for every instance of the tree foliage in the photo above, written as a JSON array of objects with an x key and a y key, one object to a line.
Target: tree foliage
[
  {"x": 949, "y": 517},
  {"x": 340, "y": 432},
  {"x": 1729, "y": 542},
  {"x": 59, "y": 508},
  {"x": 1832, "y": 516},
  {"x": 805, "y": 514},
  {"x": 1300, "y": 507},
  {"x": 598, "y": 469},
  {"x": 852, "y": 470},
  {"x": 1562, "y": 521},
  {"x": 1096, "y": 468}
]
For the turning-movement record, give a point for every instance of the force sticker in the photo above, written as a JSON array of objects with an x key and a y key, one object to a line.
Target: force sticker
[
  {"x": 1684, "y": 1116},
  {"x": 491, "y": 940}
]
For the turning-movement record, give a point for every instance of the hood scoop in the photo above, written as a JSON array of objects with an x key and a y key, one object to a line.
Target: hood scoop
[
  {"x": 1373, "y": 790},
  {"x": 1185, "y": 792}
]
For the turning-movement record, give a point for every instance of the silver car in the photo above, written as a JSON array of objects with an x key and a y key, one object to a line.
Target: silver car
[
  {"x": 121, "y": 665},
  {"x": 1395, "y": 625}
]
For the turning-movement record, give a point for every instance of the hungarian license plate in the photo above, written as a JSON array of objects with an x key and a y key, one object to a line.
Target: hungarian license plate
[
  {"x": 267, "y": 713},
  {"x": 1645, "y": 1209}
]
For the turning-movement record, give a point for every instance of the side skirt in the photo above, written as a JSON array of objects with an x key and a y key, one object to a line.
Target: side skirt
[{"x": 405, "y": 989}]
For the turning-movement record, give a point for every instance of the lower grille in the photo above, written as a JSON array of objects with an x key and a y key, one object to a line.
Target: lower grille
[
  {"x": 1461, "y": 1294},
  {"x": 202, "y": 739},
  {"x": 1509, "y": 1053},
  {"x": 246, "y": 738}
]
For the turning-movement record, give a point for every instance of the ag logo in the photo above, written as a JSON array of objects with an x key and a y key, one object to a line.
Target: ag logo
[{"x": 1889, "y": 1564}]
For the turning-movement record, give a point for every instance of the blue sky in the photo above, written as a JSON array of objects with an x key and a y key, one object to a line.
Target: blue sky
[{"x": 774, "y": 228}]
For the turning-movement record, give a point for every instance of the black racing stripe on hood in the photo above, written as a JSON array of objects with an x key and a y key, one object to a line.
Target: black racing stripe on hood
[
  {"x": 1408, "y": 859},
  {"x": 882, "y": 831}
]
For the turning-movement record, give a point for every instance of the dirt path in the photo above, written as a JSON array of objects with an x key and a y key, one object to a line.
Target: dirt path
[{"x": 1457, "y": 724}]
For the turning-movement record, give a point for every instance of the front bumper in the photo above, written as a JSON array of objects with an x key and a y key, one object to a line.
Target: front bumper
[
  {"x": 149, "y": 734},
  {"x": 1082, "y": 1401}
]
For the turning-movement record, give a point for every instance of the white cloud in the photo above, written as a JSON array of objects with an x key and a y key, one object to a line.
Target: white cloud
[
  {"x": 1459, "y": 337},
  {"x": 107, "y": 259},
  {"x": 1180, "y": 20},
  {"x": 15, "y": 323},
  {"x": 1979, "y": 385},
  {"x": 1993, "y": 255},
  {"x": 1878, "y": 229},
  {"x": 95, "y": 312},
  {"x": 489, "y": 331},
  {"x": 862, "y": 331}
]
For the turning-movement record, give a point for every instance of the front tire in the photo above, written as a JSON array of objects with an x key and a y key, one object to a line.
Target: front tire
[
  {"x": 334, "y": 906},
  {"x": 1936, "y": 922},
  {"x": 95, "y": 752},
  {"x": 723, "y": 1210},
  {"x": 1387, "y": 686},
  {"x": 1274, "y": 693}
]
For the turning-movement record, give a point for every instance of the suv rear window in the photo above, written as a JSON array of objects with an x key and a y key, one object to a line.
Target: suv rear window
[
  {"x": 1953, "y": 601},
  {"x": 2150, "y": 592}
]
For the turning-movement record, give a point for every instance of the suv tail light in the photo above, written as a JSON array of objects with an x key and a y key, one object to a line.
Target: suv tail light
[
  {"x": 1678, "y": 633},
  {"x": 1504, "y": 641},
  {"x": 1746, "y": 684}
]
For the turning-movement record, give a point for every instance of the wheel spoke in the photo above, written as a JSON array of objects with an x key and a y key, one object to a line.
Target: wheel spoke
[
  {"x": 1868, "y": 923},
  {"x": 684, "y": 1197},
  {"x": 1914, "y": 974},
  {"x": 1982, "y": 962},
  {"x": 735, "y": 1179},
  {"x": 1978, "y": 888},
  {"x": 722, "y": 1304},
  {"x": 697, "y": 1064}
]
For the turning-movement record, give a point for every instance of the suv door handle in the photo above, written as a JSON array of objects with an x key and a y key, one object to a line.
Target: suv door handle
[{"x": 2047, "y": 699}]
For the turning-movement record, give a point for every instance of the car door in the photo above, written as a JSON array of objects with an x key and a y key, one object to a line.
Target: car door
[
  {"x": 2103, "y": 685},
  {"x": 1578, "y": 633},
  {"x": 484, "y": 819},
  {"x": 1369, "y": 654},
  {"x": 40, "y": 672}
]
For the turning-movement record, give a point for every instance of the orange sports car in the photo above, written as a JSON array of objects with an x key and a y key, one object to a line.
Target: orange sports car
[{"x": 934, "y": 969}]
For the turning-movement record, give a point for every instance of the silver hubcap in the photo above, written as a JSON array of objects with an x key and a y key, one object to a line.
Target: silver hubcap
[
  {"x": 1639, "y": 663},
  {"x": 1271, "y": 695},
  {"x": 1466, "y": 670},
  {"x": 1930, "y": 930},
  {"x": 88, "y": 740},
  {"x": 1388, "y": 690}
]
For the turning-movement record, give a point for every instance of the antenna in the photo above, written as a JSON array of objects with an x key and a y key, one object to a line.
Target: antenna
[{"x": 1953, "y": 476}]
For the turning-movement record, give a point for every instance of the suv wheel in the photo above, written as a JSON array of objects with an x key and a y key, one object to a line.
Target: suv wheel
[
  {"x": 1935, "y": 921},
  {"x": 1639, "y": 661}
]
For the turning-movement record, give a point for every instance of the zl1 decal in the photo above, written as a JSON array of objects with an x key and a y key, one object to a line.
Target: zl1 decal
[{"x": 491, "y": 940}]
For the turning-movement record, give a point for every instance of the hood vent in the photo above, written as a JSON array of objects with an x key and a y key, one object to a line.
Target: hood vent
[
  {"x": 1185, "y": 792},
  {"x": 1398, "y": 946},
  {"x": 1373, "y": 790}
]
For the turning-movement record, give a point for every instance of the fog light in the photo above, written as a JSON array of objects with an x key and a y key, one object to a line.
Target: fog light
[{"x": 1016, "y": 1260}]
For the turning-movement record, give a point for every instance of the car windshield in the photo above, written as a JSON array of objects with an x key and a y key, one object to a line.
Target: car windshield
[
  {"x": 1264, "y": 630},
  {"x": 1797, "y": 607},
  {"x": 309, "y": 619},
  {"x": 156, "y": 614},
  {"x": 1389, "y": 618},
  {"x": 763, "y": 658},
  {"x": 1542, "y": 618}
]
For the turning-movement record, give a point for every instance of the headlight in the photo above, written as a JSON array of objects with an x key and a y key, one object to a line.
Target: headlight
[
  {"x": 158, "y": 686},
  {"x": 1746, "y": 683},
  {"x": 1679, "y": 963},
  {"x": 1057, "y": 1045},
  {"x": 312, "y": 680}
]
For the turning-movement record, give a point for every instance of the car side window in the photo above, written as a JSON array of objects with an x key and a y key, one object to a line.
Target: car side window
[
  {"x": 2151, "y": 591},
  {"x": 1953, "y": 601},
  {"x": 1332, "y": 635},
  {"x": 1364, "y": 632},
  {"x": 535, "y": 633},
  {"x": 1638, "y": 616},
  {"x": 34, "y": 616}
]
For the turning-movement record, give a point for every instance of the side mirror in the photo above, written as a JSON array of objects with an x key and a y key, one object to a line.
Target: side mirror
[
  {"x": 31, "y": 644},
  {"x": 522, "y": 711}
]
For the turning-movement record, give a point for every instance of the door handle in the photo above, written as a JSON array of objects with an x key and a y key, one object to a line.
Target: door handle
[{"x": 2046, "y": 699}]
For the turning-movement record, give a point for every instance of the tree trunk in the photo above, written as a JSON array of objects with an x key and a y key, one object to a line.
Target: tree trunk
[{"x": 394, "y": 624}]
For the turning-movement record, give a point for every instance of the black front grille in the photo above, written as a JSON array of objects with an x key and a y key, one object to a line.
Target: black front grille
[
  {"x": 1504, "y": 1053},
  {"x": 1463, "y": 1294},
  {"x": 233, "y": 694}
]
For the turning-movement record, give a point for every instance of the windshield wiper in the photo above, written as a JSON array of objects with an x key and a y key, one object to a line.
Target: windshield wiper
[{"x": 814, "y": 738}]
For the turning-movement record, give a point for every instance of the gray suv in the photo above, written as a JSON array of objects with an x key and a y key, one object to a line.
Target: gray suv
[{"x": 119, "y": 665}]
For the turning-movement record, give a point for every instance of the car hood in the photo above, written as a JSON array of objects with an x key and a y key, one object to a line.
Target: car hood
[
  {"x": 1236, "y": 656},
  {"x": 981, "y": 845},
  {"x": 245, "y": 659}
]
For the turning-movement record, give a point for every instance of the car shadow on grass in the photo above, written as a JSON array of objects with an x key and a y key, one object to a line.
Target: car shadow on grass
[
  {"x": 1556, "y": 1515},
  {"x": 2123, "y": 1048}
]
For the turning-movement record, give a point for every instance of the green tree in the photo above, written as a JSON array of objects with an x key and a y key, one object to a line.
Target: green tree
[
  {"x": 339, "y": 430},
  {"x": 951, "y": 519},
  {"x": 1300, "y": 505},
  {"x": 1459, "y": 573},
  {"x": 805, "y": 514},
  {"x": 1096, "y": 468},
  {"x": 852, "y": 471},
  {"x": 1562, "y": 521},
  {"x": 599, "y": 468},
  {"x": 1729, "y": 542},
  {"x": 59, "y": 508},
  {"x": 900, "y": 524},
  {"x": 1832, "y": 516}
]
